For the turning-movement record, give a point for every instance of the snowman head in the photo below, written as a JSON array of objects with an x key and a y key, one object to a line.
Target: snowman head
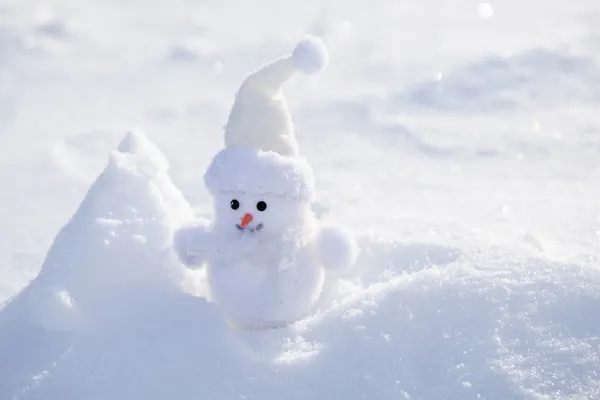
[
  {"x": 259, "y": 192},
  {"x": 259, "y": 183}
]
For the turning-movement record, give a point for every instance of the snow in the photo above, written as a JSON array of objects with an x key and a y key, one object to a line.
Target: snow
[
  {"x": 104, "y": 247},
  {"x": 461, "y": 147}
]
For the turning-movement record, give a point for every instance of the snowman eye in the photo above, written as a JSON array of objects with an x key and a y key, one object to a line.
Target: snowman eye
[
  {"x": 234, "y": 204},
  {"x": 261, "y": 206}
]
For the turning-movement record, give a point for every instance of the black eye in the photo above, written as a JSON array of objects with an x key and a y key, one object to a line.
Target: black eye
[
  {"x": 261, "y": 206},
  {"x": 234, "y": 204}
]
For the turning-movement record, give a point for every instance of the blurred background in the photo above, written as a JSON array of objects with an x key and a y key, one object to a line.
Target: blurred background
[{"x": 459, "y": 122}]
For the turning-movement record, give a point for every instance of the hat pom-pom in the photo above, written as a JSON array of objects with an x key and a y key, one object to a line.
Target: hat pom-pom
[{"x": 310, "y": 55}]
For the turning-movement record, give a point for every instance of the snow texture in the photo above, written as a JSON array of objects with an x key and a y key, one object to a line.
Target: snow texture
[
  {"x": 103, "y": 249},
  {"x": 461, "y": 147},
  {"x": 441, "y": 324}
]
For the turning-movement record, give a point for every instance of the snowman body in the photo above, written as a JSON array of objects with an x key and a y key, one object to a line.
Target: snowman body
[
  {"x": 264, "y": 277},
  {"x": 266, "y": 273},
  {"x": 273, "y": 294},
  {"x": 266, "y": 255}
]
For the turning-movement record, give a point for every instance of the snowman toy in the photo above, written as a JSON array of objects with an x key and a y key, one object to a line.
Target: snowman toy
[{"x": 268, "y": 258}]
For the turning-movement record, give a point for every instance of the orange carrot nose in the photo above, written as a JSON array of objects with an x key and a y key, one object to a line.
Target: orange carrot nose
[{"x": 246, "y": 219}]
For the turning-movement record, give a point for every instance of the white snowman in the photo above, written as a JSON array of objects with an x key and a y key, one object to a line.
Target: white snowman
[{"x": 267, "y": 256}]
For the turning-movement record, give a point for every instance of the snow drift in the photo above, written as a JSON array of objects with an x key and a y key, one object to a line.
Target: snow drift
[
  {"x": 113, "y": 316},
  {"x": 532, "y": 78}
]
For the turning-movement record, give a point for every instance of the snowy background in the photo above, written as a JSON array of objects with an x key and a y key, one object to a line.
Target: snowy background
[{"x": 460, "y": 141}]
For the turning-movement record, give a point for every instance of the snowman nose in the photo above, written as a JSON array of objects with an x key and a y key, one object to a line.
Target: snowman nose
[{"x": 246, "y": 219}]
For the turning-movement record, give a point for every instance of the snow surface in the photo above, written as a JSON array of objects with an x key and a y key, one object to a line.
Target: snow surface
[{"x": 460, "y": 141}]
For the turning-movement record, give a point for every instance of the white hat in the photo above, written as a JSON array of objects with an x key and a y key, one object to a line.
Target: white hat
[
  {"x": 260, "y": 118},
  {"x": 257, "y": 172}
]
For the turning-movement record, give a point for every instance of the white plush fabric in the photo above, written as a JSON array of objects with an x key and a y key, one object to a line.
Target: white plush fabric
[
  {"x": 257, "y": 172},
  {"x": 310, "y": 55},
  {"x": 260, "y": 117},
  {"x": 337, "y": 250}
]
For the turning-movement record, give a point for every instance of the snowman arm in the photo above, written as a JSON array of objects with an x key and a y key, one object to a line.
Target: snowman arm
[
  {"x": 336, "y": 249},
  {"x": 191, "y": 243}
]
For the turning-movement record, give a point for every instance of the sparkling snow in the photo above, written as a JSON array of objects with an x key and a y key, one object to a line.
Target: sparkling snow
[{"x": 458, "y": 140}]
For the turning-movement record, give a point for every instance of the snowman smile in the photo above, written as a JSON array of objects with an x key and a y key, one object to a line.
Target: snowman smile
[
  {"x": 246, "y": 219},
  {"x": 248, "y": 229}
]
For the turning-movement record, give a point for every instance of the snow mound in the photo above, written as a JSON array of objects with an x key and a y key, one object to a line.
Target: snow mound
[
  {"x": 108, "y": 317},
  {"x": 117, "y": 240}
]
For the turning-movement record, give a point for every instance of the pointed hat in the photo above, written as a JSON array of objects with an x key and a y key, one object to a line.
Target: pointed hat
[{"x": 260, "y": 118}]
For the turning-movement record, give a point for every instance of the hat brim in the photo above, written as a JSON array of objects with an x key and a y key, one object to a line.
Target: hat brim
[{"x": 257, "y": 172}]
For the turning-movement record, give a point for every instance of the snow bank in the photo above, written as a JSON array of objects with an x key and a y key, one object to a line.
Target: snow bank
[
  {"x": 115, "y": 248},
  {"x": 118, "y": 239},
  {"x": 107, "y": 318}
]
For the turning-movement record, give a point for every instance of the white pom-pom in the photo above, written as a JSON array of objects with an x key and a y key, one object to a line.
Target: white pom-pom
[
  {"x": 190, "y": 242},
  {"x": 337, "y": 250},
  {"x": 310, "y": 55}
]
